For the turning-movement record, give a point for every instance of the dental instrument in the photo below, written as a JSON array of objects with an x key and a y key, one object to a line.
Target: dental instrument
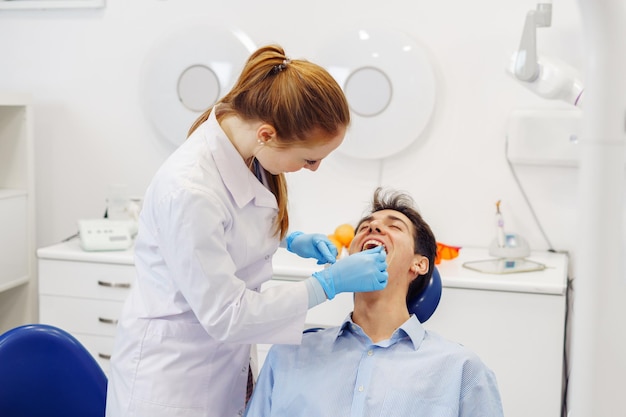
[
  {"x": 509, "y": 252},
  {"x": 499, "y": 226}
]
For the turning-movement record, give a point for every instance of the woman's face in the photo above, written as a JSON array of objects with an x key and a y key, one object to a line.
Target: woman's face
[{"x": 280, "y": 159}]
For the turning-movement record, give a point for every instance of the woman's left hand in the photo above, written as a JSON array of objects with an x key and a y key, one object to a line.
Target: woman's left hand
[{"x": 313, "y": 245}]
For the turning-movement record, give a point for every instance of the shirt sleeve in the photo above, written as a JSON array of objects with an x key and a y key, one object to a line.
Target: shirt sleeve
[{"x": 480, "y": 395}]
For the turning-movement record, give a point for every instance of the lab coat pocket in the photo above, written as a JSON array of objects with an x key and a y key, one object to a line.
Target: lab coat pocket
[
  {"x": 399, "y": 403},
  {"x": 173, "y": 368}
]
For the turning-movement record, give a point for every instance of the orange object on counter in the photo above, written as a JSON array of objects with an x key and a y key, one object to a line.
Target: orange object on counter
[
  {"x": 333, "y": 239},
  {"x": 446, "y": 252},
  {"x": 344, "y": 233}
]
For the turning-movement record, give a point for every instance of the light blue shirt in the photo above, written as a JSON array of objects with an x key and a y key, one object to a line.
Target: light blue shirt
[{"x": 341, "y": 372}]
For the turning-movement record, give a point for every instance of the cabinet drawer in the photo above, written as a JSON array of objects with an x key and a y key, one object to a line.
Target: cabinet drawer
[
  {"x": 85, "y": 279},
  {"x": 78, "y": 315},
  {"x": 100, "y": 348}
]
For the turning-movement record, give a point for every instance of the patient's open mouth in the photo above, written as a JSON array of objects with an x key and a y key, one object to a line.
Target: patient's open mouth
[{"x": 369, "y": 244}]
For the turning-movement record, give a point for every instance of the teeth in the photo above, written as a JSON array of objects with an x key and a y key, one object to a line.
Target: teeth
[{"x": 372, "y": 244}]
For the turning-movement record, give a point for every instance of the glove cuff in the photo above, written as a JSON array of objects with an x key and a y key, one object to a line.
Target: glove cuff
[
  {"x": 326, "y": 282},
  {"x": 290, "y": 239}
]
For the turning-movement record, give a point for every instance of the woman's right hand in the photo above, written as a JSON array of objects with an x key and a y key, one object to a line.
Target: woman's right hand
[{"x": 361, "y": 272}]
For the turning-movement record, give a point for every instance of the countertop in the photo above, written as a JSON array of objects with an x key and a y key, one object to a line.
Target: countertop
[{"x": 288, "y": 266}]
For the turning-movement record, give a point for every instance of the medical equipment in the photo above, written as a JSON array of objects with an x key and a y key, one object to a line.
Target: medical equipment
[
  {"x": 599, "y": 284},
  {"x": 509, "y": 251},
  {"x": 106, "y": 234},
  {"x": 507, "y": 245},
  {"x": 500, "y": 236},
  {"x": 546, "y": 77}
]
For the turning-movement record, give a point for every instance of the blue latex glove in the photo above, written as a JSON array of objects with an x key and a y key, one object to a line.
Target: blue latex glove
[
  {"x": 314, "y": 245},
  {"x": 360, "y": 272}
]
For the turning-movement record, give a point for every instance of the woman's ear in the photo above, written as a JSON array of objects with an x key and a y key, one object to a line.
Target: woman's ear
[{"x": 265, "y": 133}]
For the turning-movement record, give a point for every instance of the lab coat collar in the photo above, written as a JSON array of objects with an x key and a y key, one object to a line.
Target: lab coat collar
[
  {"x": 243, "y": 186},
  {"x": 412, "y": 328}
]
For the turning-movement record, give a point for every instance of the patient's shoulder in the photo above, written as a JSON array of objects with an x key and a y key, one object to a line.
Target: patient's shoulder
[{"x": 436, "y": 343}]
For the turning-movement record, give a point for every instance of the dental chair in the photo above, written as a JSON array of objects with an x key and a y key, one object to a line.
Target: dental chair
[
  {"x": 45, "y": 371},
  {"x": 426, "y": 302}
]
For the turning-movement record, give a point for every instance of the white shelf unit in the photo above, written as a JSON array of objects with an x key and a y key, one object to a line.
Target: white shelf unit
[{"x": 18, "y": 286}]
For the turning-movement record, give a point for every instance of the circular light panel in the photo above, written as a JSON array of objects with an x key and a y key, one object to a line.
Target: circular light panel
[
  {"x": 198, "y": 88},
  {"x": 390, "y": 86},
  {"x": 186, "y": 72},
  {"x": 368, "y": 91}
]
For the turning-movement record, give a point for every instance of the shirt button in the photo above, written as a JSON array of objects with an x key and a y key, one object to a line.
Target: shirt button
[
  {"x": 267, "y": 257},
  {"x": 244, "y": 369},
  {"x": 361, "y": 388},
  {"x": 240, "y": 412},
  {"x": 370, "y": 353}
]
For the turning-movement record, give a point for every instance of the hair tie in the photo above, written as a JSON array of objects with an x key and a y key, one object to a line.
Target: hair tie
[{"x": 278, "y": 68}]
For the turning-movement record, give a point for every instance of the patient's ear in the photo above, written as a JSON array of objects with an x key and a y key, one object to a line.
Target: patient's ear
[{"x": 420, "y": 265}]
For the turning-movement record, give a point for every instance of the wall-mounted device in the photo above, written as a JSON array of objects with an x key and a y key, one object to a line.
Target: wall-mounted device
[
  {"x": 390, "y": 84},
  {"x": 548, "y": 78},
  {"x": 106, "y": 234},
  {"x": 187, "y": 71}
]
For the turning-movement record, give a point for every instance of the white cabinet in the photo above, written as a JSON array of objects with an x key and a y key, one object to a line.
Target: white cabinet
[
  {"x": 17, "y": 213},
  {"x": 514, "y": 322},
  {"x": 84, "y": 292}
]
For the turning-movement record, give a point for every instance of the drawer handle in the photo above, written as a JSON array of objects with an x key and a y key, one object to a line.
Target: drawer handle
[
  {"x": 114, "y": 284},
  {"x": 107, "y": 321},
  {"x": 104, "y": 356}
]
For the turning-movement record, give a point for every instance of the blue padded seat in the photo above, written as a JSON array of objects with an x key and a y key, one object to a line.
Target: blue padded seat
[{"x": 45, "y": 371}]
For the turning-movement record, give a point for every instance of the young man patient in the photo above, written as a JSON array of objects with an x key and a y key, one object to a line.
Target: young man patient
[{"x": 380, "y": 361}]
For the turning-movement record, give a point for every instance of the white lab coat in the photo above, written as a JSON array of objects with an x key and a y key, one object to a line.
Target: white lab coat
[{"x": 204, "y": 248}]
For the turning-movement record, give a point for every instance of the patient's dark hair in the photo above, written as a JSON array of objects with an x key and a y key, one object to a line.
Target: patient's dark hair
[{"x": 423, "y": 237}]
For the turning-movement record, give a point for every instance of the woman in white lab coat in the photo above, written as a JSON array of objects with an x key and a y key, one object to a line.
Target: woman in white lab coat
[{"x": 212, "y": 218}]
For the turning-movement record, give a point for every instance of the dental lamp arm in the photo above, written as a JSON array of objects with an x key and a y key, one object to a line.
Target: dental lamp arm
[
  {"x": 526, "y": 61},
  {"x": 544, "y": 77},
  {"x": 554, "y": 81}
]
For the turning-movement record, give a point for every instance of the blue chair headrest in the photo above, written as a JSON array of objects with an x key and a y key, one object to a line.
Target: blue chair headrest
[{"x": 425, "y": 303}]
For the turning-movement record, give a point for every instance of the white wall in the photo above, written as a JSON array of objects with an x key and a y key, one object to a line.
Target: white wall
[{"x": 83, "y": 69}]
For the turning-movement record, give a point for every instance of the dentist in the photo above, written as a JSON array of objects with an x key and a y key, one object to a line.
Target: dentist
[{"x": 212, "y": 217}]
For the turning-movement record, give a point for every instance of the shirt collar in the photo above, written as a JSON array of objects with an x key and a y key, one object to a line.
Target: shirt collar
[
  {"x": 411, "y": 329},
  {"x": 238, "y": 179}
]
